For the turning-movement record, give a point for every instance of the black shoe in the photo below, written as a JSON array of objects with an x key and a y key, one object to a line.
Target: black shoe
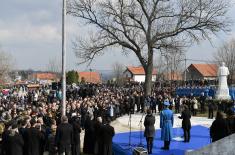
[{"x": 165, "y": 148}]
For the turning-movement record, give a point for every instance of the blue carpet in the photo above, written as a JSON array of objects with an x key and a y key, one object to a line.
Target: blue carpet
[{"x": 199, "y": 138}]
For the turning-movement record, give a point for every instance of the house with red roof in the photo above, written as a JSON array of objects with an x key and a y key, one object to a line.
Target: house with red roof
[
  {"x": 44, "y": 77},
  {"x": 173, "y": 76},
  {"x": 202, "y": 72},
  {"x": 90, "y": 77},
  {"x": 137, "y": 74}
]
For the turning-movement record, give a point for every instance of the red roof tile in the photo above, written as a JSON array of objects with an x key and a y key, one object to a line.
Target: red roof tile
[
  {"x": 90, "y": 77},
  {"x": 139, "y": 70},
  {"x": 207, "y": 70},
  {"x": 45, "y": 76}
]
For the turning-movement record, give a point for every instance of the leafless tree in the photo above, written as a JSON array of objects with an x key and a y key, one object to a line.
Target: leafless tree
[
  {"x": 118, "y": 70},
  {"x": 54, "y": 65},
  {"x": 226, "y": 53},
  {"x": 146, "y": 26},
  {"x": 6, "y": 64}
]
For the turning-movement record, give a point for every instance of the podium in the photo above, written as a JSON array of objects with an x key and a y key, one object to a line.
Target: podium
[{"x": 140, "y": 151}]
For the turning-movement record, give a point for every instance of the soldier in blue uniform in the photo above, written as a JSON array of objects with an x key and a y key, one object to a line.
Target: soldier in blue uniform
[{"x": 166, "y": 125}]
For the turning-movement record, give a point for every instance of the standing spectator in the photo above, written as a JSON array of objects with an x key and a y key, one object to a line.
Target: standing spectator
[
  {"x": 202, "y": 102},
  {"x": 186, "y": 123},
  {"x": 149, "y": 131},
  {"x": 142, "y": 100},
  {"x": 98, "y": 136},
  {"x": 13, "y": 142},
  {"x": 177, "y": 104},
  {"x": 195, "y": 106},
  {"x": 219, "y": 128},
  {"x": 76, "y": 136},
  {"x": 64, "y": 137},
  {"x": 166, "y": 125},
  {"x": 50, "y": 143},
  {"x": 210, "y": 109},
  {"x": 137, "y": 101},
  {"x": 153, "y": 104},
  {"x": 231, "y": 121},
  {"x": 107, "y": 133},
  {"x": 89, "y": 143},
  {"x": 34, "y": 139}
]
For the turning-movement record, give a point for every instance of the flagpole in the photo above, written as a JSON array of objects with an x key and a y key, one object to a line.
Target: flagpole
[{"x": 63, "y": 58}]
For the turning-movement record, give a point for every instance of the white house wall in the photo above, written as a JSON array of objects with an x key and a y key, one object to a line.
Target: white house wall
[{"x": 141, "y": 78}]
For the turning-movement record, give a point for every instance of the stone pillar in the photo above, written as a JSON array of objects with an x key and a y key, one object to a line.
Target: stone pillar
[{"x": 223, "y": 90}]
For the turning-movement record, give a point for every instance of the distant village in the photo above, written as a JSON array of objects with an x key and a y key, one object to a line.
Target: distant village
[{"x": 194, "y": 72}]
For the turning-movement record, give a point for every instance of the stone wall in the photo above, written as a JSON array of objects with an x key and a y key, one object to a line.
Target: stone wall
[{"x": 224, "y": 146}]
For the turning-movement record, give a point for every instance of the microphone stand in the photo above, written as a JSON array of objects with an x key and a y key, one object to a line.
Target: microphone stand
[
  {"x": 129, "y": 123},
  {"x": 141, "y": 126}
]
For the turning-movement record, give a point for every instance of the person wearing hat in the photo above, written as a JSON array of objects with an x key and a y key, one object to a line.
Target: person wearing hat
[
  {"x": 166, "y": 125},
  {"x": 149, "y": 131}
]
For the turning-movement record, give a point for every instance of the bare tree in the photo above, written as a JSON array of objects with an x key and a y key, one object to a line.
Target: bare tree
[
  {"x": 6, "y": 64},
  {"x": 146, "y": 26},
  {"x": 54, "y": 65},
  {"x": 118, "y": 70},
  {"x": 226, "y": 53}
]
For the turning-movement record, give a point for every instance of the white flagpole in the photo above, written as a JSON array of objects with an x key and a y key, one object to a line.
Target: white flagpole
[{"x": 64, "y": 58}]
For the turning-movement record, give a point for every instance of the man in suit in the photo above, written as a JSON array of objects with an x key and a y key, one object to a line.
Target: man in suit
[
  {"x": 64, "y": 137},
  {"x": 149, "y": 131},
  {"x": 186, "y": 123},
  {"x": 166, "y": 125}
]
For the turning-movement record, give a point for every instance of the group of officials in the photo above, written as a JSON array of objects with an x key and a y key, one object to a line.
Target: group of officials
[
  {"x": 166, "y": 125},
  {"x": 222, "y": 126}
]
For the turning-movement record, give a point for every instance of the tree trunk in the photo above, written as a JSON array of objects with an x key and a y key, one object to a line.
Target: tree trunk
[
  {"x": 148, "y": 77},
  {"x": 148, "y": 80}
]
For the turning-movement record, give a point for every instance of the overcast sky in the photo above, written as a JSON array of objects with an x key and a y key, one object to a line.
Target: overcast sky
[{"x": 30, "y": 30}]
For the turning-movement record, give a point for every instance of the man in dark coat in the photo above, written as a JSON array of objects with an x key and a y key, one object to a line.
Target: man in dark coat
[
  {"x": 107, "y": 132},
  {"x": 149, "y": 131},
  {"x": 186, "y": 123},
  {"x": 33, "y": 139},
  {"x": 76, "y": 136},
  {"x": 219, "y": 128},
  {"x": 137, "y": 101},
  {"x": 89, "y": 143},
  {"x": 97, "y": 134},
  {"x": 64, "y": 137},
  {"x": 211, "y": 109},
  {"x": 13, "y": 142}
]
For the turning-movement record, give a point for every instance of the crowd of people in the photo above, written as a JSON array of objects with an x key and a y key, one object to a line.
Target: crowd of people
[{"x": 31, "y": 121}]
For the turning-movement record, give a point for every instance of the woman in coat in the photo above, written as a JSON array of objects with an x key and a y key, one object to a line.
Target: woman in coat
[
  {"x": 149, "y": 131},
  {"x": 186, "y": 123},
  {"x": 166, "y": 125}
]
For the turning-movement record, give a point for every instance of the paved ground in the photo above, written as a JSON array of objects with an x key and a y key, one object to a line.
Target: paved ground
[{"x": 122, "y": 124}]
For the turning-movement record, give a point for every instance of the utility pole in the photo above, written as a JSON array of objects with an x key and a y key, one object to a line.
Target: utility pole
[
  {"x": 64, "y": 58},
  {"x": 185, "y": 70}
]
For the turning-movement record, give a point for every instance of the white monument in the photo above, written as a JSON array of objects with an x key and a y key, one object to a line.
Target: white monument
[{"x": 223, "y": 90}]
